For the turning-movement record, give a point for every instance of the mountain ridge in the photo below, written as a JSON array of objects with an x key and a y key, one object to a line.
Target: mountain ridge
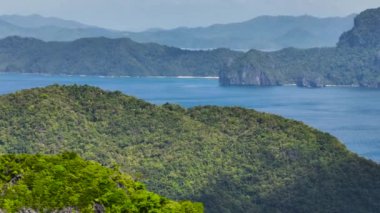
[
  {"x": 217, "y": 35},
  {"x": 365, "y": 32},
  {"x": 229, "y": 158},
  {"x": 354, "y": 61},
  {"x": 37, "y": 21},
  {"x": 104, "y": 56},
  {"x": 51, "y": 28},
  {"x": 257, "y": 33}
]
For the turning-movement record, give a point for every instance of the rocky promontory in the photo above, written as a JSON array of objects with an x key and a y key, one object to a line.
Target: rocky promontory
[{"x": 355, "y": 61}]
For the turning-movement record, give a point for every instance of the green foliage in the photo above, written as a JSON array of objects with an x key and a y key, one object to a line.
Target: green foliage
[
  {"x": 102, "y": 56},
  {"x": 231, "y": 159},
  {"x": 47, "y": 183},
  {"x": 316, "y": 67},
  {"x": 366, "y": 31}
]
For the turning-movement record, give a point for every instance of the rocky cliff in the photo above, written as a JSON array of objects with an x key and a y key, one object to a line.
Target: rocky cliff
[
  {"x": 355, "y": 61},
  {"x": 366, "y": 31}
]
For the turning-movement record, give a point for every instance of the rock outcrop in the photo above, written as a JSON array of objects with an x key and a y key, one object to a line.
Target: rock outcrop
[
  {"x": 249, "y": 76},
  {"x": 355, "y": 61},
  {"x": 310, "y": 83},
  {"x": 366, "y": 31}
]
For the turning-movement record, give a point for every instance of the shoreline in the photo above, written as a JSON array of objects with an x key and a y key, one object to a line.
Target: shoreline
[
  {"x": 178, "y": 77},
  {"x": 112, "y": 76}
]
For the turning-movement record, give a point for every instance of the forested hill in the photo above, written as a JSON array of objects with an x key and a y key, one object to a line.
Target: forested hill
[
  {"x": 355, "y": 61},
  {"x": 366, "y": 32},
  {"x": 103, "y": 56},
  {"x": 352, "y": 63},
  {"x": 231, "y": 159},
  {"x": 67, "y": 183},
  {"x": 359, "y": 67}
]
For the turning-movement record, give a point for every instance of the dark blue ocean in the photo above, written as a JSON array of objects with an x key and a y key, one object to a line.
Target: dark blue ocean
[{"x": 351, "y": 114}]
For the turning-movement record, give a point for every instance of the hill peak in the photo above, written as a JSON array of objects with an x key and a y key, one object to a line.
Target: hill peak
[
  {"x": 231, "y": 159},
  {"x": 366, "y": 31}
]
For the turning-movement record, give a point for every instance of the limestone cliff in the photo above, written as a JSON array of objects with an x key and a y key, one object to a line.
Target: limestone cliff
[{"x": 355, "y": 61}]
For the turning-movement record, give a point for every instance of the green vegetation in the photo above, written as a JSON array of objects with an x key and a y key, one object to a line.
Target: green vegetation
[
  {"x": 306, "y": 68},
  {"x": 354, "y": 62},
  {"x": 48, "y": 183},
  {"x": 103, "y": 56},
  {"x": 231, "y": 159},
  {"x": 366, "y": 31}
]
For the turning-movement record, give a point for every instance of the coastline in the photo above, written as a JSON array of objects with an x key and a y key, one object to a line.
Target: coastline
[
  {"x": 181, "y": 77},
  {"x": 113, "y": 76}
]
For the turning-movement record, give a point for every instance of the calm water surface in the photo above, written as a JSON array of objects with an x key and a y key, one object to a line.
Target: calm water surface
[{"x": 351, "y": 114}]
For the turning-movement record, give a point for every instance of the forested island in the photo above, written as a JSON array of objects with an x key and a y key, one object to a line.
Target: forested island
[
  {"x": 104, "y": 56},
  {"x": 229, "y": 158},
  {"x": 354, "y": 62}
]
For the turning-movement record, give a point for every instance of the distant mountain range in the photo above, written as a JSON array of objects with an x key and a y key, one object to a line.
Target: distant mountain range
[
  {"x": 36, "y": 21},
  {"x": 355, "y": 61},
  {"x": 50, "y": 29},
  {"x": 265, "y": 32}
]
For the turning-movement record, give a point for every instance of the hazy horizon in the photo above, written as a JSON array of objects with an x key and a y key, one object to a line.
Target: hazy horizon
[{"x": 138, "y": 15}]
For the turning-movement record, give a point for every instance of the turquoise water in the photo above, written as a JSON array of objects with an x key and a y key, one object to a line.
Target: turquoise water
[{"x": 351, "y": 114}]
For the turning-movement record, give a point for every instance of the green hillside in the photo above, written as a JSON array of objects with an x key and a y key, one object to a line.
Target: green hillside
[
  {"x": 103, "y": 56},
  {"x": 66, "y": 182},
  {"x": 315, "y": 67},
  {"x": 229, "y": 158},
  {"x": 365, "y": 32},
  {"x": 354, "y": 62}
]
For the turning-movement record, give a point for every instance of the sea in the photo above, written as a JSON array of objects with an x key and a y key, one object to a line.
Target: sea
[{"x": 350, "y": 114}]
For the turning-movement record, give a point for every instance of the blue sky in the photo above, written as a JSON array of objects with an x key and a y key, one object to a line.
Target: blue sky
[{"x": 144, "y": 14}]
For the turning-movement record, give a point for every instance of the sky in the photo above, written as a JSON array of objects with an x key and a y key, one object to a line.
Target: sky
[{"x": 137, "y": 15}]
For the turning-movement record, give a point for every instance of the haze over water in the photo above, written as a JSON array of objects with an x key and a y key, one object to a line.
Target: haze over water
[{"x": 351, "y": 114}]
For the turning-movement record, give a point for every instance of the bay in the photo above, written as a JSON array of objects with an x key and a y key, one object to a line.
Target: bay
[{"x": 351, "y": 114}]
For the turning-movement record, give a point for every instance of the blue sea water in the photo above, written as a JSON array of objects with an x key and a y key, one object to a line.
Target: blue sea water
[{"x": 351, "y": 114}]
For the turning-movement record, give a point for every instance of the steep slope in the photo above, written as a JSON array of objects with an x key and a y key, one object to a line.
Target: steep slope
[
  {"x": 231, "y": 159},
  {"x": 306, "y": 68},
  {"x": 355, "y": 61},
  {"x": 102, "y": 56},
  {"x": 264, "y": 32},
  {"x": 366, "y": 31},
  {"x": 66, "y": 182}
]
